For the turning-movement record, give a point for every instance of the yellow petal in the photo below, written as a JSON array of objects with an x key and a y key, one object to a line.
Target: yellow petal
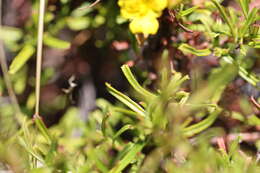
[
  {"x": 133, "y": 8},
  {"x": 157, "y": 5},
  {"x": 146, "y": 25}
]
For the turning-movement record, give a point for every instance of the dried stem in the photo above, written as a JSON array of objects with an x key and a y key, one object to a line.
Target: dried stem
[
  {"x": 91, "y": 5},
  {"x": 4, "y": 67},
  {"x": 255, "y": 102},
  {"x": 39, "y": 55},
  {"x": 173, "y": 16}
]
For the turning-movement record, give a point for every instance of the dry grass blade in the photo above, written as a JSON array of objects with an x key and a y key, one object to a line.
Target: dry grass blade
[
  {"x": 91, "y": 5},
  {"x": 39, "y": 54}
]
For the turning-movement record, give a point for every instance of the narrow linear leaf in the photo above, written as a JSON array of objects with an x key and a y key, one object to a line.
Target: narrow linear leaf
[
  {"x": 175, "y": 83},
  {"x": 234, "y": 146},
  {"x": 42, "y": 128},
  {"x": 189, "y": 49},
  {"x": 225, "y": 17},
  {"x": 29, "y": 149},
  {"x": 103, "y": 125},
  {"x": 250, "y": 78},
  {"x": 123, "y": 152},
  {"x": 128, "y": 158},
  {"x": 82, "y": 10},
  {"x": 22, "y": 57},
  {"x": 251, "y": 19},
  {"x": 204, "y": 124},
  {"x": 51, "y": 153},
  {"x": 255, "y": 44},
  {"x": 131, "y": 79},
  {"x": 55, "y": 42},
  {"x": 125, "y": 111},
  {"x": 122, "y": 130},
  {"x": 245, "y": 6},
  {"x": 188, "y": 11},
  {"x": 100, "y": 165},
  {"x": 126, "y": 100}
]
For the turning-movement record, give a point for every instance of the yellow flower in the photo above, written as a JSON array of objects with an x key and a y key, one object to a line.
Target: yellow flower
[
  {"x": 132, "y": 8},
  {"x": 143, "y": 14},
  {"x": 157, "y": 5},
  {"x": 146, "y": 25}
]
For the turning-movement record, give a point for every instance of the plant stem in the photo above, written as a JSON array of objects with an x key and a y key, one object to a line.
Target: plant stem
[
  {"x": 39, "y": 55},
  {"x": 7, "y": 79},
  {"x": 37, "y": 118}
]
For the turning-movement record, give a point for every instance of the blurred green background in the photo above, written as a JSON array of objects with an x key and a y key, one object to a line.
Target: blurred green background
[{"x": 197, "y": 90}]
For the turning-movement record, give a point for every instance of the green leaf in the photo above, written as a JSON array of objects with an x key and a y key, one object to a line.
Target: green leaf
[
  {"x": 234, "y": 146},
  {"x": 128, "y": 158},
  {"x": 78, "y": 23},
  {"x": 255, "y": 44},
  {"x": 253, "y": 120},
  {"x": 175, "y": 83},
  {"x": 82, "y": 10},
  {"x": 251, "y": 19},
  {"x": 41, "y": 170},
  {"x": 10, "y": 33},
  {"x": 133, "y": 82},
  {"x": 204, "y": 124},
  {"x": 250, "y": 78},
  {"x": 122, "y": 130},
  {"x": 189, "y": 49},
  {"x": 126, "y": 100},
  {"x": 29, "y": 149},
  {"x": 93, "y": 155},
  {"x": 188, "y": 11},
  {"x": 43, "y": 129},
  {"x": 55, "y": 43},
  {"x": 124, "y": 111},
  {"x": 245, "y": 6},
  {"x": 104, "y": 124},
  {"x": 225, "y": 17},
  {"x": 22, "y": 57}
]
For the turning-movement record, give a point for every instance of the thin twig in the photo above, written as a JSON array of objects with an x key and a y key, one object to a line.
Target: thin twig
[
  {"x": 6, "y": 75},
  {"x": 173, "y": 16},
  {"x": 255, "y": 102},
  {"x": 37, "y": 118},
  {"x": 91, "y": 5},
  {"x": 39, "y": 55},
  {"x": 246, "y": 137}
]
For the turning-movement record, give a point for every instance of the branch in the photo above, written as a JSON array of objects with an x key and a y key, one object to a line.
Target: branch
[{"x": 6, "y": 75}]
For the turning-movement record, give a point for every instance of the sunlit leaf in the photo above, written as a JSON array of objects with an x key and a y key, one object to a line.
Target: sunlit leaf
[
  {"x": 204, "y": 124},
  {"x": 188, "y": 11},
  {"x": 245, "y": 6},
  {"x": 128, "y": 158},
  {"x": 122, "y": 130},
  {"x": 198, "y": 52},
  {"x": 55, "y": 42},
  {"x": 10, "y": 33},
  {"x": 78, "y": 23},
  {"x": 133, "y": 82},
  {"x": 126, "y": 100},
  {"x": 225, "y": 17},
  {"x": 23, "y": 56},
  {"x": 251, "y": 18}
]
